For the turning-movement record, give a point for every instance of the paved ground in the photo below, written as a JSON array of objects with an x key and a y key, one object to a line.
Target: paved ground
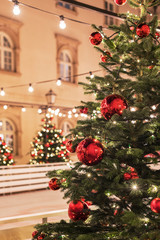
[{"x": 31, "y": 202}]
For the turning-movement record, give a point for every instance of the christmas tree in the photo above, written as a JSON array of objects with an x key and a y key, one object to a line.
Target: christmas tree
[
  {"x": 119, "y": 143},
  {"x": 49, "y": 145},
  {"x": 6, "y": 157}
]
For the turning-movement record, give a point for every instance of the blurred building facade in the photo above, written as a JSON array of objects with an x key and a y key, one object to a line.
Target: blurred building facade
[{"x": 33, "y": 49}]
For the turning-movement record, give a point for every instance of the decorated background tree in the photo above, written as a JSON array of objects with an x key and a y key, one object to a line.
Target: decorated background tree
[
  {"x": 6, "y": 157},
  {"x": 49, "y": 144},
  {"x": 119, "y": 143}
]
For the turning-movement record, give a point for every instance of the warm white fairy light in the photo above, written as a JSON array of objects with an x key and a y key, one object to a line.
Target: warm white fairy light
[
  {"x": 76, "y": 115},
  {"x": 154, "y": 188},
  {"x": 30, "y": 89},
  {"x": 49, "y": 109},
  {"x": 60, "y": 114},
  {"x": 133, "y": 109},
  {"x": 134, "y": 187},
  {"x": 91, "y": 75},
  {"x": 74, "y": 110},
  {"x": 152, "y": 116},
  {"x": 23, "y": 109},
  {"x": 56, "y": 111},
  {"x": 5, "y": 107},
  {"x": 88, "y": 175},
  {"x": 62, "y": 23},
  {"x": 69, "y": 112},
  {"x": 59, "y": 83},
  {"x": 69, "y": 116},
  {"x": 16, "y": 9},
  {"x": 39, "y": 110},
  {"x": 153, "y": 107},
  {"x": 2, "y": 93}
]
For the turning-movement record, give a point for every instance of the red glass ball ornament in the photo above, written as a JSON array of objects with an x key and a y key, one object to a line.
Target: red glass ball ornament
[
  {"x": 151, "y": 67},
  {"x": 34, "y": 233},
  {"x": 131, "y": 28},
  {"x": 113, "y": 104},
  {"x": 143, "y": 30},
  {"x": 47, "y": 145},
  {"x": 69, "y": 146},
  {"x": 54, "y": 184},
  {"x": 41, "y": 236},
  {"x": 78, "y": 211},
  {"x": 127, "y": 176},
  {"x": 104, "y": 58},
  {"x": 134, "y": 175},
  {"x": 157, "y": 35},
  {"x": 155, "y": 205},
  {"x": 120, "y": 2},
  {"x": 84, "y": 110},
  {"x": 90, "y": 151},
  {"x": 95, "y": 38}
]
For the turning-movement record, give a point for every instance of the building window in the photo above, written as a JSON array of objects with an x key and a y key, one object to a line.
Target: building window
[
  {"x": 65, "y": 66},
  {"x": 7, "y": 133},
  {"x": 66, "y": 5},
  {"x": 6, "y": 53},
  {"x": 66, "y": 126},
  {"x": 67, "y": 58},
  {"x": 109, "y": 7}
]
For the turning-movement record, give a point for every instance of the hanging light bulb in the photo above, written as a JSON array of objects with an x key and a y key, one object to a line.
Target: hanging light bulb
[
  {"x": 91, "y": 75},
  {"x": 16, "y": 9},
  {"x": 2, "y": 93},
  {"x": 59, "y": 82},
  {"x": 39, "y": 110},
  {"x": 62, "y": 23},
  {"x": 5, "y": 107},
  {"x": 23, "y": 109},
  {"x": 30, "y": 89}
]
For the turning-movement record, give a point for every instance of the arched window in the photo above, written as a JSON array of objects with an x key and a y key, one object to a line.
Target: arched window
[
  {"x": 7, "y": 132},
  {"x": 65, "y": 66},
  {"x": 66, "y": 126},
  {"x": 6, "y": 53}
]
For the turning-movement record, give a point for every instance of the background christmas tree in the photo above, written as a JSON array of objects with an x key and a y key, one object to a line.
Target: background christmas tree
[
  {"x": 117, "y": 148},
  {"x": 6, "y": 157},
  {"x": 49, "y": 145}
]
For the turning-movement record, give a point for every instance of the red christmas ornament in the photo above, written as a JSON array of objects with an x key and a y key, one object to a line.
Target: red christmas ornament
[
  {"x": 34, "y": 233},
  {"x": 104, "y": 58},
  {"x": 143, "y": 30},
  {"x": 69, "y": 146},
  {"x": 41, "y": 236},
  {"x": 95, "y": 38},
  {"x": 3, "y": 143},
  {"x": 155, "y": 205},
  {"x": 134, "y": 175},
  {"x": 78, "y": 211},
  {"x": 94, "y": 191},
  {"x": 120, "y": 2},
  {"x": 90, "y": 151},
  {"x": 157, "y": 35},
  {"x": 131, "y": 28},
  {"x": 84, "y": 110},
  {"x": 54, "y": 184},
  {"x": 10, "y": 157},
  {"x": 113, "y": 104},
  {"x": 47, "y": 145},
  {"x": 127, "y": 176},
  {"x": 151, "y": 67}
]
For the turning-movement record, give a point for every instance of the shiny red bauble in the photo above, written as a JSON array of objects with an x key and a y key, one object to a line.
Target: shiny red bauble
[
  {"x": 155, "y": 205},
  {"x": 120, "y": 2},
  {"x": 54, "y": 184},
  {"x": 113, "y": 104},
  {"x": 127, "y": 176},
  {"x": 41, "y": 236},
  {"x": 157, "y": 35},
  {"x": 78, "y": 211},
  {"x": 84, "y": 110},
  {"x": 105, "y": 57},
  {"x": 90, "y": 151},
  {"x": 95, "y": 38},
  {"x": 34, "y": 233},
  {"x": 69, "y": 146},
  {"x": 143, "y": 30}
]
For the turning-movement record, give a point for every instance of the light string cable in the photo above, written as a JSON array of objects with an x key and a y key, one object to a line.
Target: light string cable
[{"x": 50, "y": 80}]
